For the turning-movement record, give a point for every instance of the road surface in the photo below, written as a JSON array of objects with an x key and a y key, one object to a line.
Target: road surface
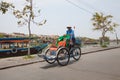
[{"x": 104, "y": 65}]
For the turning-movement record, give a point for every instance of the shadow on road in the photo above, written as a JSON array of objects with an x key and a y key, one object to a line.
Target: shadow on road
[{"x": 56, "y": 65}]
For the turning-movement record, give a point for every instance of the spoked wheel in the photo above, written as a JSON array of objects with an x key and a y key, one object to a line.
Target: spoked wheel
[
  {"x": 63, "y": 56},
  {"x": 50, "y": 56},
  {"x": 76, "y": 53}
]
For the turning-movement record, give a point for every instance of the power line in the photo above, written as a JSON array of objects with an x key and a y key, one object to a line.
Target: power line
[
  {"x": 90, "y": 6},
  {"x": 79, "y": 7}
]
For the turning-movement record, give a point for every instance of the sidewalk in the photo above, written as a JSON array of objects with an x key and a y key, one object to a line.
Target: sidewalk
[
  {"x": 20, "y": 61},
  {"x": 91, "y": 49}
]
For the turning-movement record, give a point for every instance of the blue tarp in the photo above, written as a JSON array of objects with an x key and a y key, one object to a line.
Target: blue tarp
[
  {"x": 22, "y": 38},
  {"x": 2, "y": 39}
]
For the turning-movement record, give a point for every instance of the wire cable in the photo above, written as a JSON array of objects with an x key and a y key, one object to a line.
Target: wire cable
[{"x": 79, "y": 6}]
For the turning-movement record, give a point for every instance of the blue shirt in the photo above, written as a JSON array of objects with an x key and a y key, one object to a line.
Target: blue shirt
[{"x": 71, "y": 33}]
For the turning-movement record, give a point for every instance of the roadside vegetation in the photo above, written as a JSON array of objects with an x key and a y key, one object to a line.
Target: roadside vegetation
[{"x": 103, "y": 23}]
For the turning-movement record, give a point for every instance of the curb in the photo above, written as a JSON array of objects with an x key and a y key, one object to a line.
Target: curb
[
  {"x": 7, "y": 67},
  {"x": 23, "y": 64},
  {"x": 100, "y": 50}
]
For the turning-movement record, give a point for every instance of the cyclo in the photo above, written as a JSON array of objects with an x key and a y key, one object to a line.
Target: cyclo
[{"x": 62, "y": 51}]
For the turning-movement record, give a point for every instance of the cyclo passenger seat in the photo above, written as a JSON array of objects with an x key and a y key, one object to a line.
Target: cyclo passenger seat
[{"x": 63, "y": 41}]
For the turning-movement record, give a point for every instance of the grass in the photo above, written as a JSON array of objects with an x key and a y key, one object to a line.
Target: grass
[
  {"x": 104, "y": 46},
  {"x": 29, "y": 57}
]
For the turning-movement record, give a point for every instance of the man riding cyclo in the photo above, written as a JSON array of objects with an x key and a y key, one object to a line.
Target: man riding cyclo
[
  {"x": 67, "y": 40},
  {"x": 64, "y": 47}
]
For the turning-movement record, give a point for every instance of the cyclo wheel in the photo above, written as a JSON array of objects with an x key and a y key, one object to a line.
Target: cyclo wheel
[
  {"x": 76, "y": 53},
  {"x": 63, "y": 56},
  {"x": 49, "y": 57}
]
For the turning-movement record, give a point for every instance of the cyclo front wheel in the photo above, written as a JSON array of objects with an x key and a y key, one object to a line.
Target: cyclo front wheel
[
  {"x": 63, "y": 56},
  {"x": 49, "y": 57},
  {"x": 76, "y": 53}
]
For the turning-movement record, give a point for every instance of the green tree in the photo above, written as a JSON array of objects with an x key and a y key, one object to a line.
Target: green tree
[
  {"x": 104, "y": 24},
  {"x": 26, "y": 16},
  {"x": 1, "y": 35},
  {"x": 4, "y": 7}
]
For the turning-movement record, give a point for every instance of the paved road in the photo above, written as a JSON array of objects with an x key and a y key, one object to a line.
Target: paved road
[{"x": 104, "y": 65}]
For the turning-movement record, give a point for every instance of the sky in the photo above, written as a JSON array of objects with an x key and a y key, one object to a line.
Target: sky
[{"x": 62, "y": 13}]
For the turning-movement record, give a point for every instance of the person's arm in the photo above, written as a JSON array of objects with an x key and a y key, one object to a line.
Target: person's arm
[{"x": 66, "y": 32}]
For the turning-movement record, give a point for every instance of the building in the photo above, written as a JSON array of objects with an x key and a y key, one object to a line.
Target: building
[{"x": 18, "y": 34}]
